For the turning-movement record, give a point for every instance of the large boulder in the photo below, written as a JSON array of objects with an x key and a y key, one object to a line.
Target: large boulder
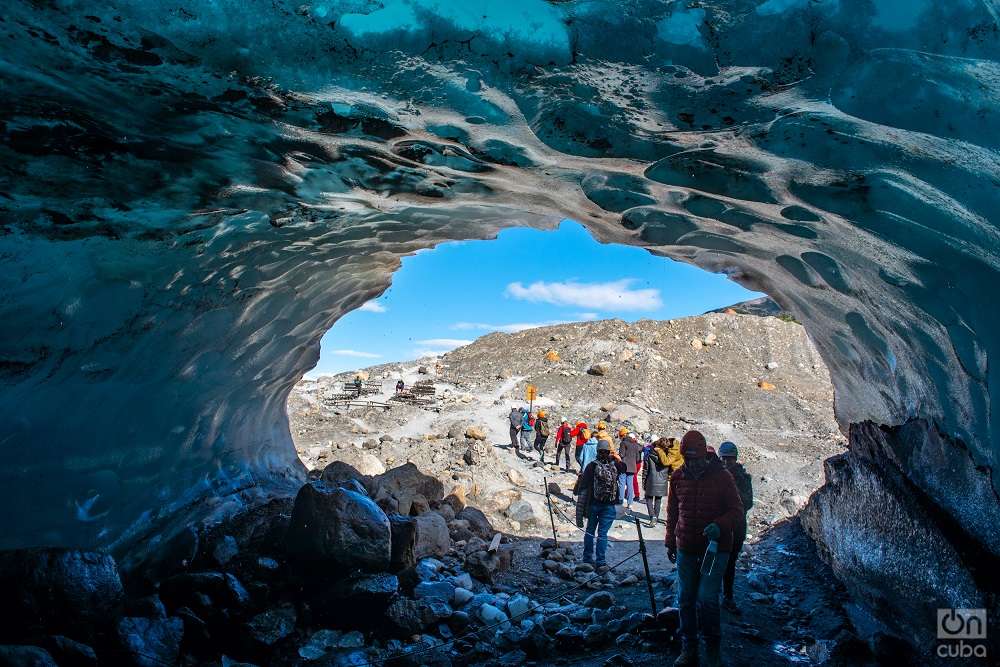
[
  {"x": 404, "y": 483},
  {"x": 56, "y": 590},
  {"x": 478, "y": 523},
  {"x": 340, "y": 473},
  {"x": 403, "y": 535},
  {"x": 432, "y": 537},
  {"x": 341, "y": 528}
]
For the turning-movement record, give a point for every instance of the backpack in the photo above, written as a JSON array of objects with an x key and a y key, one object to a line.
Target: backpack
[
  {"x": 543, "y": 427},
  {"x": 567, "y": 435},
  {"x": 605, "y": 482}
]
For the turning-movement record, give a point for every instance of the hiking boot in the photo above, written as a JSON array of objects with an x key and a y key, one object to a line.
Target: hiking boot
[
  {"x": 650, "y": 524},
  {"x": 713, "y": 654},
  {"x": 688, "y": 656},
  {"x": 729, "y": 604},
  {"x": 601, "y": 568}
]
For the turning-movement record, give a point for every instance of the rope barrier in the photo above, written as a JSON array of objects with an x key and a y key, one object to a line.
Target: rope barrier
[{"x": 537, "y": 605}]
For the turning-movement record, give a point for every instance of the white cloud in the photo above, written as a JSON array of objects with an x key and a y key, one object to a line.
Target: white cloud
[
  {"x": 355, "y": 353},
  {"x": 372, "y": 307},
  {"x": 587, "y": 317},
  {"x": 614, "y": 296},
  {"x": 449, "y": 343}
]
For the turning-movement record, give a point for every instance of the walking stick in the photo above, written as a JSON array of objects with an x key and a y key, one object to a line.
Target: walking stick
[
  {"x": 548, "y": 501},
  {"x": 645, "y": 565}
]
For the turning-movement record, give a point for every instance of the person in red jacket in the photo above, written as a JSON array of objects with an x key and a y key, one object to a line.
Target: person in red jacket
[
  {"x": 582, "y": 434},
  {"x": 703, "y": 506},
  {"x": 564, "y": 442}
]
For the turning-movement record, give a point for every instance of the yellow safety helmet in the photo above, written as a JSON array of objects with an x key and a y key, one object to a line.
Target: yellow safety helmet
[
  {"x": 541, "y": 413},
  {"x": 622, "y": 432},
  {"x": 601, "y": 426}
]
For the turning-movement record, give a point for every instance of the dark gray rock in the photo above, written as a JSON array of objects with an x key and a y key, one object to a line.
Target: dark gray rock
[
  {"x": 569, "y": 638},
  {"x": 600, "y": 600},
  {"x": 25, "y": 656},
  {"x": 482, "y": 565},
  {"x": 273, "y": 625},
  {"x": 341, "y": 529},
  {"x": 553, "y": 623},
  {"x": 56, "y": 590},
  {"x": 514, "y": 658},
  {"x": 340, "y": 473},
  {"x": 442, "y": 590},
  {"x": 149, "y": 642},
  {"x": 478, "y": 523},
  {"x": 149, "y": 606},
  {"x": 403, "y": 617},
  {"x": 403, "y": 484},
  {"x": 403, "y": 536},
  {"x": 222, "y": 589},
  {"x": 70, "y": 653}
]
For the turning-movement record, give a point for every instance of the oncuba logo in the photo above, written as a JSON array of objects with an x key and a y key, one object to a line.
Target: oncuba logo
[{"x": 961, "y": 633}]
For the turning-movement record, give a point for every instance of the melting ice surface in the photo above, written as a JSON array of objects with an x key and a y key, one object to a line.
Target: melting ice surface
[{"x": 193, "y": 192}]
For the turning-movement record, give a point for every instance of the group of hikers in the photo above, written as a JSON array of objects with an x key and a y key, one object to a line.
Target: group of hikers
[{"x": 708, "y": 491}]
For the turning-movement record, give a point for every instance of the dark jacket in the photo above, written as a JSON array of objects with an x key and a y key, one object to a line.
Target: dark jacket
[
  {"x": 744, "y": 484},
  {"x": 584, "y": 489},
  {"x": 631, "y": 453},
  {"x": 541, "y": 424},
  {"x": 693, "y": 503},
  {"x": 654, "y": 475}
]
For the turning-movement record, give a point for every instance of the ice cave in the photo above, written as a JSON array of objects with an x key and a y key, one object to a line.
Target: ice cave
[{"x": 194, "y": 192}]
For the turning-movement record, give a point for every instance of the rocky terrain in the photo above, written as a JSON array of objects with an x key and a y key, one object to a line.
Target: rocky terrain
[{"x": 757, "y": 381}]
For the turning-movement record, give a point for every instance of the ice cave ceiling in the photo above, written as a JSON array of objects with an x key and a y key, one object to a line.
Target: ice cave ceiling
[{"x": 193, "y": 192}]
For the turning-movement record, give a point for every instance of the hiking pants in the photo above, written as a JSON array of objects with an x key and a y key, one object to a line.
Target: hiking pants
[
  {"x": 626, "y": 491},
  {"x": 739, "y": 537},
  {"x": 540, "y": 441},
  {"x": 653, "y": 507},
  {"x": 599, "y": 520},
  {"x": 526, "y": 437},
  {"x": 578, "y": 455},
  {"x": 560, "y": 448},
  {"x": 698, "y": 596},
  {"x": 513, "y": 437}
]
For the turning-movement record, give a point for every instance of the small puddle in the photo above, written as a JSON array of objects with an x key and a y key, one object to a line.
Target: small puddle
[{"x": 791, "y": 652}]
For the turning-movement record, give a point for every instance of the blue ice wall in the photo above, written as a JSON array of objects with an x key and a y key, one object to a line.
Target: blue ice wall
[{"x": 193, "y": 192}]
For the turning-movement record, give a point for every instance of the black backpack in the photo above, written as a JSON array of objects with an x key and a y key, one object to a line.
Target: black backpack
[
  {"x": 567, "y": 436},
  {"x": 542, "y": 425},
  {"x": 605, "y": 482}
]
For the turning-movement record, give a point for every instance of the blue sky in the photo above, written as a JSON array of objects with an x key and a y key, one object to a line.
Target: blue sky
[{"x": 451, "y": 295}]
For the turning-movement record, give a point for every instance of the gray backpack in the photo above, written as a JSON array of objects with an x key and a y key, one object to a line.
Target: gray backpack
[{"x": 605, "y": 482}]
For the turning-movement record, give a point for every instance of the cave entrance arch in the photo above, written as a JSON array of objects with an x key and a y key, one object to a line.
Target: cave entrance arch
[{"x": 157, "y": 207}]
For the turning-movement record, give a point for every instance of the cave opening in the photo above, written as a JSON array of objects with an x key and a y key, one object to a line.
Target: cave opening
[{"x": 542, "y": 308}]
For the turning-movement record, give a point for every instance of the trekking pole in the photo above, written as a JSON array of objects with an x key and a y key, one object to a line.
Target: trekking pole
[
  {"x": 645, "y": 565},
  {"x": 548, "y": 501}
]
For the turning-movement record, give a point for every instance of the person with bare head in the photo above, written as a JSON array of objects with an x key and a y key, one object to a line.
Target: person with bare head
[{"x": 703, "y": 509}]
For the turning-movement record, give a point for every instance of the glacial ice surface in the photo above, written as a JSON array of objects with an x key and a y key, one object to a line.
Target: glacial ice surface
[{"x": 193, "y": 193}]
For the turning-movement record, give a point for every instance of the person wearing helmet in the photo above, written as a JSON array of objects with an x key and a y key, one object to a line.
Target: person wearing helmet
[
  {"x": 564, "y": 442},
  {"x": 744, "y": 484},
  {"x": 541, "y": 434}
]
